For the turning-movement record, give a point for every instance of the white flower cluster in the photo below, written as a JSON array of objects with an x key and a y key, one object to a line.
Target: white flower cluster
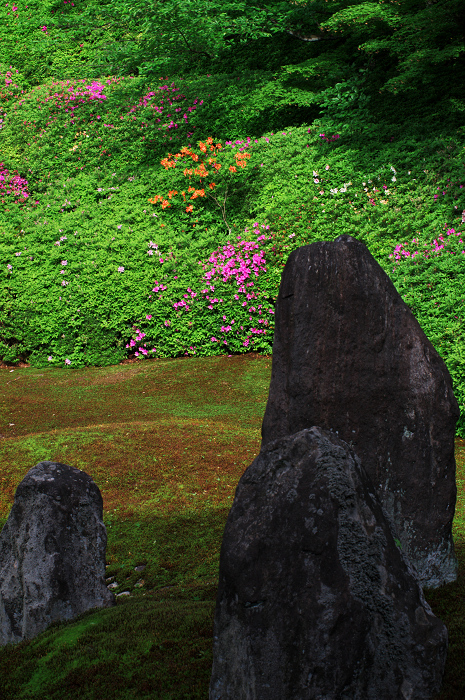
[
  {"x": 342, "y": 189},
  {"x": 151, "y": 244}
]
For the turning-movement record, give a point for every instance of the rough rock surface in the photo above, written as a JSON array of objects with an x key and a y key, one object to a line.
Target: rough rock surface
[
  {"x": 52, "y": 552},
  {"x": 349, "y": 356},
  {"x": 315, "y": 600}
]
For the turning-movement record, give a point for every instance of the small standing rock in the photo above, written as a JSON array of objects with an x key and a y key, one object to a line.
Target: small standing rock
[
  {"x": 52, "y": 552},
  {"x": 315, "y": 600}
]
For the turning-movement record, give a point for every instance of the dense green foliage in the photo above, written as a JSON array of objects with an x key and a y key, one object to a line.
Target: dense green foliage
[{"x": 349, "y": 118}]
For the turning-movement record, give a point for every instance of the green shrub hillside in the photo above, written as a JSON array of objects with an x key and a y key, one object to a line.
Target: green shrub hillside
[{"x": 147, "y": 216}]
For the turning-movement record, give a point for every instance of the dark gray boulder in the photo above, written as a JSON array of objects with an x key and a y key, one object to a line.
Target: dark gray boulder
[
  {"x": 349, "y": 356},
  {"x": 52, "y": 552},
  {"x": 315, "y": 600}
]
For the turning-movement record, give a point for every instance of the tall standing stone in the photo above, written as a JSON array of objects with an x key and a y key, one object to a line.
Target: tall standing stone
[
  {"x": 52, "y": 552},
  {"x": 315, "y": 600},
  {"x": 349, "y": 355}
]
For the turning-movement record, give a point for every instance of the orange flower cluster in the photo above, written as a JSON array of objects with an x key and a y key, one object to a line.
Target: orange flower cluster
[{"x": 201, "y": 170}]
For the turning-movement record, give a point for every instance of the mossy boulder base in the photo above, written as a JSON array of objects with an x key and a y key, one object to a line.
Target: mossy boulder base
[{"x": 349, "y": 356}]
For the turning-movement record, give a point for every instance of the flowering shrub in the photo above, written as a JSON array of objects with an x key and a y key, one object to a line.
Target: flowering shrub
[
  {"x": 233, "y": 308},
  {"x": 435, "y": 248},
  {"x": 330, "y": 139},
  {"x": 119, "y": 279},
  {"x": 13, "y": 184}
]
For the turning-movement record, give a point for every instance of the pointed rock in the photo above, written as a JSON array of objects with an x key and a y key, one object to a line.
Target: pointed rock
[{"x": 349, "y": 356}]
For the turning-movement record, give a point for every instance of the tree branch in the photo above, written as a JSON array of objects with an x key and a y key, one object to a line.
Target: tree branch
[{"x": 190, "y": 49}]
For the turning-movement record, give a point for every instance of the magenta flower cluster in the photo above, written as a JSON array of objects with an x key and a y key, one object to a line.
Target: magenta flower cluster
[
  {"x": 13, "y": 184},
  {"x": 451, "y": 184},
  {"x": 133, "y": 342},
  {"x": 242, "y": 262},
  {"x": 88, "y": 93},
  {"x": 438, "y": 245},
  {"x": 180, "y": 304},
  {"x": 237, "y": 263},
  {"x": 329, "y": 139},
  {"x": 67, "y": 99},
  {"x": 158, "y": 109},
  {"x": 73, "y": 93},
  {"x": 9, "y": 76},
  {"x": 159, "y": 287}
]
